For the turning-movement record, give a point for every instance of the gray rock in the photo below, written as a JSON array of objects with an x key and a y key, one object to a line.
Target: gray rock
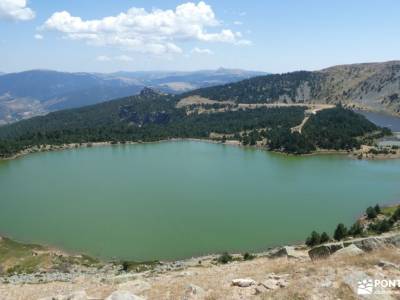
[
  {"x": 270, "y": 284},
  {"x": 286, "y": 251},
  {"x": 365, "y": 244},
  {"x": 123, "y": 295},
  {"x": 351, "y": 250},
  {"x": 194, "y": 292},
  {"x": 260, "y": 289},
  {"x": 368, "y": 244},
  {"x": 275, "y": 281},
  {"x": 388, "y": 265},
  {"x": 324, "y": 251},
  {"x": 243, "y": 282}
]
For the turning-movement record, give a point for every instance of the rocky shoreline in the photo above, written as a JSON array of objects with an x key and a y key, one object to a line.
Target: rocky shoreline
[
  {"x": 274, "y": 274},
  {"x": 277, "y": 273}
]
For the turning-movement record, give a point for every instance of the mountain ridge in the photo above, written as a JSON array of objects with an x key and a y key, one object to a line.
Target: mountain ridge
[
  {"x": 36, "y": 92},
  {"x": 372, "y": 86}
]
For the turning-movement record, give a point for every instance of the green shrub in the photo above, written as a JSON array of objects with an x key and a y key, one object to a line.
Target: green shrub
[
  {"x": 225, "y": 258},
  {"x": 396, "y": 215},
  {"x": 356, "y": 229},
  {"x": 377, "y": 209},
  {"x": 324, "y": 237},
  {"x": 340, "y": 232},
  {"x": 381, "y": 226},
  {"x": 371, "y": 213},
  {"x": 248, "y": 256},
  {"x": 314, "y": 239}
]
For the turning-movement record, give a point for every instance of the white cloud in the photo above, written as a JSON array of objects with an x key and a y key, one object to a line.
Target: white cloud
[
  {"x": 156, "y": 32},
  {"x": 202, "y": 51},
  {"x": 238, "y": 23},
  {"x": 16, "y": 10},
  {"x": 38, "y": 36},
  {"x": 123, "y": 58},
  {"x": 103, "y": 58}
]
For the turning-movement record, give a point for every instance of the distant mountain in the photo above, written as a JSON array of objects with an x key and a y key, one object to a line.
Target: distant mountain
[
  {"x": 373, "y": 86},
  {"x": 36, "y": 92},
  {"x": 174, "y": 82}
]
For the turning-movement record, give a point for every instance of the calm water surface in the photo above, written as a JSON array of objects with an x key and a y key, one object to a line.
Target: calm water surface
[
  {"x": 383, "y": 120},
  {"x": 179, "y": 199}
]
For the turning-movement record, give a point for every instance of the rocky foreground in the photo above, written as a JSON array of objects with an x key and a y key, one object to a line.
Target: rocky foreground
[{"x": 330, "y": 271}]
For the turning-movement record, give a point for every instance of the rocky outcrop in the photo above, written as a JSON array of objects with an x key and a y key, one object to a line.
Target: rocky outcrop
[
  {"x": 243, "y": 282},
  {"x": 194, "y": 292},
  {"x": 287, "y": 251},
  {"x": 351, "y": 250},
  {"x": 123, "y": 295},
  {"x": 363, "y": 244},
  {"x": 325, "y": 250}
]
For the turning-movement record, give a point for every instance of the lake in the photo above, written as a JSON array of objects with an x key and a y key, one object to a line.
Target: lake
[
  {"x": 382, "y": 119},
  {"x": 180, "y": 199}
]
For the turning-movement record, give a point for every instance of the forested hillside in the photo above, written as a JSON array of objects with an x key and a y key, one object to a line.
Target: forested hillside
[
  {"x": 153, "y": 116},
  {"x": 373, "y": 86}
]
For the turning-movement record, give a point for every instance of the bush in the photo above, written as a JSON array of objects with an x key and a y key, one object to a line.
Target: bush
[
  {"x": 324, "y": 238},
  {"x": 371, "y": 213},
  {"x": 340, "y": 232},
  {"x": 356, "y": 229},
  {"x": 314, "y": 239},
  {"x": 125, "y": 266},
  {"x": 377, "y": 209},
  {"x": 381, "y": 226},
  {"x": 248, "y": 256},
  {"x": 225, "y": 258},
  {"x": 396, "y": 215}
]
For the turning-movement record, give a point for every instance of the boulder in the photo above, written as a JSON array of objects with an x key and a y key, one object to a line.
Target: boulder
[
  {"x": 286, "y": 251},
  {"x": 364, "y": 244},
  {"x": 260, "y": 289},
  {"x": 323, "y": 251},
  {"x": 275, "y": 281},
  {"x": 270, "y": 284},
  {"x": 243, "y": 282},
  {"x": 123, "y": 295},
  {"x": 194, "y": 292},
  {"x": 393, "y": 240},
  {"x": 351, "y": 250},
  {"x": 368, "y": 244}
]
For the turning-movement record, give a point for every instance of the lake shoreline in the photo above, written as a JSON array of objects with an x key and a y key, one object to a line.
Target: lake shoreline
[
  {"x": 354, "y": 154},
  {"x": 271, "y": 251},
  {"x": 59, "y": 251}
]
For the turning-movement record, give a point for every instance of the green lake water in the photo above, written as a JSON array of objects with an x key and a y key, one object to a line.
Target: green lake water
[{"x": 179, "y": 199}]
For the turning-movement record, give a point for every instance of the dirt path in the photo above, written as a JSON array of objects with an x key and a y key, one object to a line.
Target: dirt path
[{"x": 313, "y": 109}]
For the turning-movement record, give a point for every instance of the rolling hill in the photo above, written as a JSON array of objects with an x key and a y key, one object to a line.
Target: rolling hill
[
  {"x": 36, "y": 92},
  {"x": 373, "y": 86}
]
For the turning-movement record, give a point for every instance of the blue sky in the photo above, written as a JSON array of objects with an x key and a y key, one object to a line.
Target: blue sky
[{"x": 273, "y": 36}]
